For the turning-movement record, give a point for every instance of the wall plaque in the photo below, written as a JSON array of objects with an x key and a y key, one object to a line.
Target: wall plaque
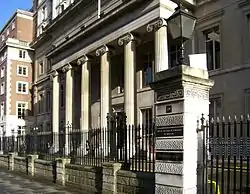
[
  {"x": 169, "y": 132},
  {"x": 169, "y": 156},
  {"x": 168, "y": 109}
]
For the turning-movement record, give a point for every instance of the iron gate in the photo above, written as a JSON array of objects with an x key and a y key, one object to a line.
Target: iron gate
[{"x": 225, "y": 167}]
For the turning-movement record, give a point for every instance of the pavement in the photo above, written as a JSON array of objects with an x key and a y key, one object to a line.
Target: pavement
[{"x": 12, "y": 183}]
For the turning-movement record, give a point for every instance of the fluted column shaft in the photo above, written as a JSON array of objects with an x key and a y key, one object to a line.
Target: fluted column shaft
[
  {"x": 69, "y": 94},
  {"x": 104, "y": 53},
  {"x": 85, "y": 93},
  {"x": 129, "y": 43},
  {"x": 55, "y": 105},
  {"x": 161, "y": 44}
]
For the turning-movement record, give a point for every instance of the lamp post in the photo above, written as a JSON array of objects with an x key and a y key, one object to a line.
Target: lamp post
[{"x": 181, "y": 26}]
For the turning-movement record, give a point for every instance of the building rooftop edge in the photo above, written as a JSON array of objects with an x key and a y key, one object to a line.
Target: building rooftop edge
[{"x": 20, "y": 11}]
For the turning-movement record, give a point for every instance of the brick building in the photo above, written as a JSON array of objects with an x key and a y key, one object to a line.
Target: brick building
[{"x": 16, "y": 72}]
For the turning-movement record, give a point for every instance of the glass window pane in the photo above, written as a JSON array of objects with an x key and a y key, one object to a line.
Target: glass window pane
[{"x": 209, "y": 51}]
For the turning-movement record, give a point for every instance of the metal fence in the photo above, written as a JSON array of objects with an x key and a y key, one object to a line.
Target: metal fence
[
  {"x": 226, "y": 161},
  {"x": 130, "y": 145}
]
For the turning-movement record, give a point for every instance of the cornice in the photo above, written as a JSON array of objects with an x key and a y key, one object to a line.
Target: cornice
[
  {"x": 210, "y": 16},
  {"x": 243, "y": 3}
]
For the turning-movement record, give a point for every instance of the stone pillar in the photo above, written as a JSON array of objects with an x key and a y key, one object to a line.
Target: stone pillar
[
  {"x": 104, "y": 53},
  {"x": 109, "y": 177},
  {"x": 11, "y": 161},
  {"x": 85, "y": 92},
  {"x": 161, "y": 44},
  {"x": 69, "y": 94},
  {"x": 61, "y": 171},
  {"x": 105, "y": 93},
  {"x": 182, "y": 96},
  {"x": 31, "y": 165},
  {"x": 130, "y": 76},
  {"x": 130, "y": 94},
  {"x": 55, "y": 111},
  {"x": 85, "y": 102},
  {"x": 68, "y": 70}
]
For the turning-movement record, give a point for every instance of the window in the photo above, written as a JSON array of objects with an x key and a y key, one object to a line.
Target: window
[
  {"x": 213, "y": 48},
  {"x": 41, "y": 103},
  {"x": 22, "y": 70},
  {"x": 2, "y": 72},
  {"x": 62, "y": 96},
  {"x": 21, "y": 110},
  {"x": 147, "y": 69},
  {"x": 41, "y": 68},
  {"x": 2, "y": 109},
  {"x": 147, "y": 120},
  {"x": 215, "y": 109},
  {"x": 22, "y": 54},
  {"x": 44, "y": 13},
  {"x": 13, "y": 25},
  {"x": 2, "y": 88},
  {"x": 48, "y": 101},
  {"x": 22, "y": 87}
]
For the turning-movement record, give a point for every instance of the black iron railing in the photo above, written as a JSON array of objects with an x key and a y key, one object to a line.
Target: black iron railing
[
  {"x": 130, "y": 145},
  {"x": 226, "y": 155}
]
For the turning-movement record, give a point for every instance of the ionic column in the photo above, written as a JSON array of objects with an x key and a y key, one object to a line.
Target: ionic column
[
  {"x": 55, "y": 105},
  {"x": 85, "y": 93},
  {"x": 129, "y": 78},
  {"x": 161, "y": 44},
  {"x": 69, "y": 94},
  {"x": 103, "y": 52},
  {"x": 55, "y": 111}
]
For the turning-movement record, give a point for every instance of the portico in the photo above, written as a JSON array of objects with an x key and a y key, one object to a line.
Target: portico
[
  {"x": 116, "y": 73},
  {"x": 122, "y": 66}
]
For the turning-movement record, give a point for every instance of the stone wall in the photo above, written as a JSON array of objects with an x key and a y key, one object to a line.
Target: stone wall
[
  {"x": 107, "y": 179},
  {"x": 44, "y": 169},
  {"x": 87, "y": 177},
  {"x": 135, "y": 182},
  {"x": 20, "y": 164},
  {"x": 4, "y": 161}
]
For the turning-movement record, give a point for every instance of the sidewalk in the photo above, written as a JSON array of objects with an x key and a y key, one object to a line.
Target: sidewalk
[{"x": 12, "y": 183}]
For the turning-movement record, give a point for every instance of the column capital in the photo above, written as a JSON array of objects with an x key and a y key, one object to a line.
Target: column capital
[
  {"x": 83, "y": 60},
  {"x": 126, "y": 39},
  {"x": 53, "y": 74},
  {"x": 156, "y": 24},
  {"x": 66, "y": 68},
  {"x": 102, "y": 50}
]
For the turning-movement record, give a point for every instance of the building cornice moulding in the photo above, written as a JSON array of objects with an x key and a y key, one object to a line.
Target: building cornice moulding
[
  {"x": 210, "y": 16},
  {"x": 244, "y": 3}
]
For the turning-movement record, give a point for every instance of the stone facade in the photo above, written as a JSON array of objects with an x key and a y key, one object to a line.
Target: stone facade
[{"x": 57, "y": 48}]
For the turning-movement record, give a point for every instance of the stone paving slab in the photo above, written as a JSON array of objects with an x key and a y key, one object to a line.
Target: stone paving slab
[{"x": 12, "y": 183}]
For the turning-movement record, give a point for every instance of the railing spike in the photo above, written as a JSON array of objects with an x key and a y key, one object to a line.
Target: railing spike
[
  {"x": 235, "y": 118},
  {"x": 218, "y": 119},
  {"x": 223, "y": 119},
  {"x": 241, "y": 117},
  {"x": 229, "y": 119},
  {"x": 248, "y": 117},
  {"x": 212, "y": 120}
]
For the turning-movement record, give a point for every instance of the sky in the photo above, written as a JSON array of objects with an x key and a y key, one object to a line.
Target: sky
[{"x": 8, "y": 8}]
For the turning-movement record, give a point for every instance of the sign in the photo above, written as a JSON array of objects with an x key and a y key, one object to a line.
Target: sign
[
  {"x": 169, "y": 131},
  {"x": 176, "y": 157}
]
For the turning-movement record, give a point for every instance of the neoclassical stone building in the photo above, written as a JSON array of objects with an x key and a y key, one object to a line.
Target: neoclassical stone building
[{"x": 94, "y": 59}]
